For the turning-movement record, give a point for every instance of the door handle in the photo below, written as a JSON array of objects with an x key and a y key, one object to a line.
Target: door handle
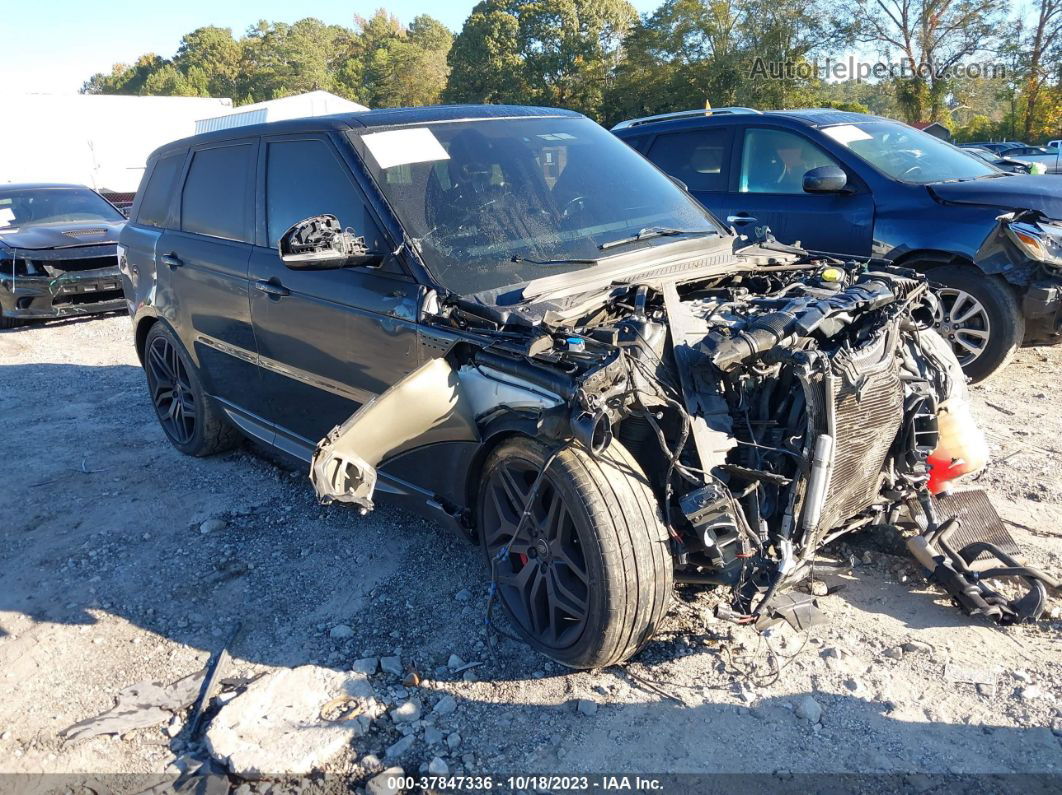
[
  {"x": 272, "y": 288},
  {"x": 172, "y": 261},
  {"x": 739, "y": 219}
]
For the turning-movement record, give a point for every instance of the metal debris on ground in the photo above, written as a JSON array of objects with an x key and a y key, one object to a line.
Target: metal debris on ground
[{"x": 139, "y": 706}]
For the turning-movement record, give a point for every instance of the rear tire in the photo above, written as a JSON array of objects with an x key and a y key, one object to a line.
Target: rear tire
[
  {"x": 8, "y": 322},
  {"x": 190, "y": 419},
  {"x": 588, "y": 580},
  {"x": 980, "y": 318}
]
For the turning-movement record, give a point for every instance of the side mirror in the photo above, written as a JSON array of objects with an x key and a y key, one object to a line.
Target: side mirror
[
  {"x": 320, "y": 243},
  {"x": 825, "y": 179}
]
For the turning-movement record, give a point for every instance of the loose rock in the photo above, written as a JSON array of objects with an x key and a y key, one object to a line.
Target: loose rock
[
  {"x": 366, "y": 665},
  {"x": 382, "y": 784},
  {"x": 438, "y": 767},
  {"x": 586, "y": 707},
  {"x": 407, "y": 712},
  {"x": 396, "y": 750},
  {"x": 212, "y": 526},
  {"x": 916, "y": 647},
  {"x": 809, "y": 709},
  {"x": 341, "y": 632},
  {"x": 275, "y": 726},
  {"x": 445, "y": 706},
  {"x": 391, "y": 665}
]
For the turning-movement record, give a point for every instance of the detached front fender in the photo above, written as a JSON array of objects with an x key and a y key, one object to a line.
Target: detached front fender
[{"x": 438, "y": 402}]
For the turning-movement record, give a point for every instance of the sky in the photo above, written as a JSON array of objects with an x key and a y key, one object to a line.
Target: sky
[{"x": 53, "y": 46}]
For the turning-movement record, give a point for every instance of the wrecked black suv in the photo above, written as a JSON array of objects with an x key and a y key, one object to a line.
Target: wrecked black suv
[{"x": 507, "y": 318}]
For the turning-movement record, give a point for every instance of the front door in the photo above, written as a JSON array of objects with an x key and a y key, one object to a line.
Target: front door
[
  {"x": 331, "y": 339},
  {"x": 771, "y": 164}
]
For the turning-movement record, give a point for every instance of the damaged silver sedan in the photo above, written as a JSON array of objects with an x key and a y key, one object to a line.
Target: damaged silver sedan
[{"x": 593, "y": 378}]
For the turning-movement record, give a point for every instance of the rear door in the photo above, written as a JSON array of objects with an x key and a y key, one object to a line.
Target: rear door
[
  {"x": 701, "y": 159},
  {"x": 767, "y": 185},
  {"x": 203, "y": 263},
  {"x": 329, "y": 340}
]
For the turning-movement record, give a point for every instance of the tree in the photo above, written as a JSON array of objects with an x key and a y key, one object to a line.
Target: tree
[
  {"x": 380, "y": 63},
  {"x": 485, "y": 62},
  {"x": 1042, "y": 51},
  {"x": 544, "y": 52},
  {"x": 933, "y": 37},
  {"x": 402, "y": 66}
]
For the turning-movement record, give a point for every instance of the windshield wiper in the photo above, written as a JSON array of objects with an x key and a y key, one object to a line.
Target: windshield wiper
[
  {"x": 653, "y": 231},
  {"x": 547, "y": 262}
]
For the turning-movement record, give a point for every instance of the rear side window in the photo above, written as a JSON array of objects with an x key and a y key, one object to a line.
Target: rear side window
[
  {"x": 699, "y": 157},
  {"x": 303, "y": 179},
  {"x": 215, "y": 200},
  {"x": 155, "y": 206}
]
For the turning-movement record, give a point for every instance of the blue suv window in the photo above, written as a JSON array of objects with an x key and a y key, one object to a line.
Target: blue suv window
[
  {"x": 775, "y": 161},
  {"x": 699, "y": 158},
  {"x": 214, "y": 201}
]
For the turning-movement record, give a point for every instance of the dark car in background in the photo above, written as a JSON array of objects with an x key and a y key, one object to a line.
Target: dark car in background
[
  {"x": 861, "y": 186},
  {"x": 58, "y": 253}
]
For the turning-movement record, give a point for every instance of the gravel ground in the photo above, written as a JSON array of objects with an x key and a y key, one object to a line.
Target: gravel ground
[{"x": 109, "y": 578}]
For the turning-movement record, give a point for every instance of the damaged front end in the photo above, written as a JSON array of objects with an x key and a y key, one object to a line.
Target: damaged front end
[{"x": 773, "y": 407}]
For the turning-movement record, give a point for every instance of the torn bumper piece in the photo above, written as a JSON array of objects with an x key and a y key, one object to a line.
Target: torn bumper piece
[
  {"x": 971, "y": 546},
  {"x": 344, "y": 464},
  {"x": 437, "y": 402}
]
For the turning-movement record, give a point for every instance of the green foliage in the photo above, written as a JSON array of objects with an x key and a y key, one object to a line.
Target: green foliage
[
  {"x": 599, "y": 57},
  {"x": 541, "y": 52},
  {"x": 379, "y": 63}
]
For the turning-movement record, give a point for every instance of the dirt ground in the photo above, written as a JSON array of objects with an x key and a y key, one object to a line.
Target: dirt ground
[{"x": 107, "y": 578}]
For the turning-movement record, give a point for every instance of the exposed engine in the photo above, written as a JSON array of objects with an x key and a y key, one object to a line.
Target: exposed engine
[{"x": 773, "y": 408}]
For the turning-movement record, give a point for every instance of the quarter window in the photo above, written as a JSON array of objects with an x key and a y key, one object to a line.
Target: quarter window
[
  {"x": 698, "y": 158},
  {"x": 303, "y": 179},
  {"x": 775, "y": 161},
  {"x": 155, "y": 206},
  {"x": 214, "y": 201}
]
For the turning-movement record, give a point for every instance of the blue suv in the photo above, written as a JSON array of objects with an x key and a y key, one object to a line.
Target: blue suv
[{"x": 862, "y": 186}]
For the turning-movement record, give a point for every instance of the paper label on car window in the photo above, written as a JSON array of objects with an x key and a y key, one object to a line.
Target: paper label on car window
[
  {"x": 402, "y": 147},
  {"x": 847, "y": 133},
  {"x": 7, "y": 215}
]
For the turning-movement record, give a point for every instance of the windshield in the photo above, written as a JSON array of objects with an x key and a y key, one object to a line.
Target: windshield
[
  {"x": 24, "y": 207},
  {"x": 497, "y": 202},
  {"x": 907, "y": 154}
]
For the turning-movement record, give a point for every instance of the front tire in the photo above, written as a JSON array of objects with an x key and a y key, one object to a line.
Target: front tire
[
  {"x": 8, "y": 322},
  {"x": 980, "y": 317},
  {"x": 190, "y": 419},
  {"x": 588, "y": 580}
]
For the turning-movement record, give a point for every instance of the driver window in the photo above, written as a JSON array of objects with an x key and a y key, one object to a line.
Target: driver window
[
  {"x": 304, "y": 178},
  {"x": 775, "y": 161}
]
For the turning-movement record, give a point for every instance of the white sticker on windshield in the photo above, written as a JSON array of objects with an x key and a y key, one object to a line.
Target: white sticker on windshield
[
  {"x": 7, "y": 214},
  {"x": 402, "y": 147},
  {"x": 845, "y": 134}
]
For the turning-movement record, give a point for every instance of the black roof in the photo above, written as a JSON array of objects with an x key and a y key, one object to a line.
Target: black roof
[{"x": 384, "y": 117}]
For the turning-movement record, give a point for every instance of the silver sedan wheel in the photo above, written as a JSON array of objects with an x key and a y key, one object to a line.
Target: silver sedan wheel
[{"x": 963, "y": 321}]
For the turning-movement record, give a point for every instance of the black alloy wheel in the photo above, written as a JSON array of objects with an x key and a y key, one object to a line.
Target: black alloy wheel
[
  {"x": 171, "y": 391},
  {"x": 542, "y": 577},
  {"x": 193, "y": 423},
  {"x": 587, "y": 579}
]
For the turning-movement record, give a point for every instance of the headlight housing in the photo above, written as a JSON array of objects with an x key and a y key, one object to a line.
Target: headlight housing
[{"x": 1040, "y": 241}]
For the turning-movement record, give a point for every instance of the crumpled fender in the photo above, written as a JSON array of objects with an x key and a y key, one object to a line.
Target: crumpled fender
[{"x": 435, "y": 402}]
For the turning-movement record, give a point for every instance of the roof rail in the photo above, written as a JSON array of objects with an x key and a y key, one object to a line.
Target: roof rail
[{"x": 683, "y": 114}]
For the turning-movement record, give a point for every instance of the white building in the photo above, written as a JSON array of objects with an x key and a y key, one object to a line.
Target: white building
[
  {"x": 312, "y": 103},
  {"x": 97, "y": 140}
]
